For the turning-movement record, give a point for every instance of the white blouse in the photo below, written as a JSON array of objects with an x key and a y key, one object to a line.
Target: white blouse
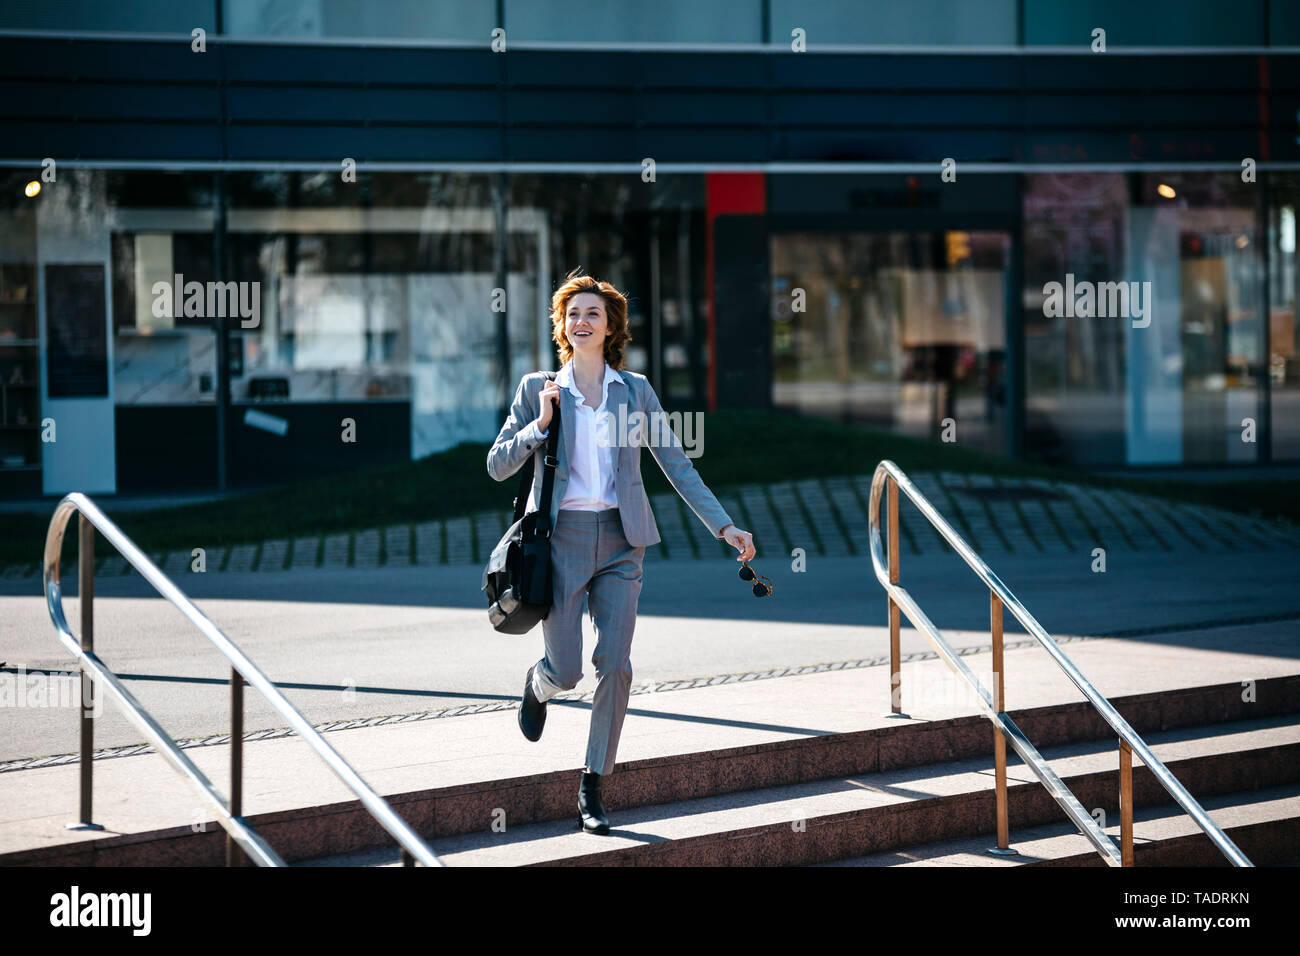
[{"x": 591, "y": 473}]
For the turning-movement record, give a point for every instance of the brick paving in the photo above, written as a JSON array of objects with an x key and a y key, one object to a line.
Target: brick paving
[{"x": 826, "y": 516}]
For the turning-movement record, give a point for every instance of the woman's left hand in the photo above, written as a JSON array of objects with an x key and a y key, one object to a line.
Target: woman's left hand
[{"x": 742, "y": 541}]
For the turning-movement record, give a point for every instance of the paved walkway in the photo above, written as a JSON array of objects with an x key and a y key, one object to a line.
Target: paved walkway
[
  {"x": 353, "y": 645},
  {"x": 822, "y": 516}
]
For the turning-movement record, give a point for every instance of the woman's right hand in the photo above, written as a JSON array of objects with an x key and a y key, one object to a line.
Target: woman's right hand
[{"x": 551, "y": 390}]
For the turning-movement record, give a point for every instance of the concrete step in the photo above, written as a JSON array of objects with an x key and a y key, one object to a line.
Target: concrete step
[
  {"x": 316, "y": 828},
  {"x": 1264, "y": 823},
  {"x": 840, "y": 817}
]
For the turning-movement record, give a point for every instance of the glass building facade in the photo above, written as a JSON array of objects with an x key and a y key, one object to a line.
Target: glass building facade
[
  {"x": 411, "y": 297},
  {"x": 377, "y": 300}
]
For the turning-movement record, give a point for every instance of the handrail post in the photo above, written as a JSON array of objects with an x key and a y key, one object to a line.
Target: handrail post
[
  {"x": 895, "y": 621},
  {"x": 234, "y": 855},
  {"x": 86, "y": 594},
  {"x": 1125, "y": 803},
  {"x": 999, "y": 742}
]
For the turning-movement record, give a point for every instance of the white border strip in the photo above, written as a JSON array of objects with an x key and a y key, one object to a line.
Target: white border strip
[
  {"x": 775, "y": 168},
  {"x": 872, "y": 49}
]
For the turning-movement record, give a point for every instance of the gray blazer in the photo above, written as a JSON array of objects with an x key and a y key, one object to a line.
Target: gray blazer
[{"x": 517, "y": 441}]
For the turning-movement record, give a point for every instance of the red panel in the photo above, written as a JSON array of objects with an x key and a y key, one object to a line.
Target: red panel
[
  {"x": 726, "y": 194},
  {"x": 737, "y": 193}
]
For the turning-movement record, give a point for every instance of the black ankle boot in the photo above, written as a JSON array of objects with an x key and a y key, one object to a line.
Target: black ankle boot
[
  {"x": 532, "y": 712},
  {"x": 591, "y": 810}
]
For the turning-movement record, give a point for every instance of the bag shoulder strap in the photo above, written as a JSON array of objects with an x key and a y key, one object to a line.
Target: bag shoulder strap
[
  {"x": 548, "y": 470},
  {"x": 548, "y": 474}
]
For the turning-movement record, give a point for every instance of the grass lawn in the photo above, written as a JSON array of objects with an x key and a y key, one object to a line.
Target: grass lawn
[{"x": 739, "y": 446}]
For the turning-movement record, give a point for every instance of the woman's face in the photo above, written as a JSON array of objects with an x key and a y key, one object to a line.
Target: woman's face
[{"x": 585, "y": 324}]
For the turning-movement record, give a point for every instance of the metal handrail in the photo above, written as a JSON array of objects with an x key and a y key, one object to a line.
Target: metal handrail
[
  {"x": 415, "y": 849},
  {"x": 1130, "y": 742}
]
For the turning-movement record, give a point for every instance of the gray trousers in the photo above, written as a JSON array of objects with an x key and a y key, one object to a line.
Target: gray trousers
[{"x": 591, "y": 561}]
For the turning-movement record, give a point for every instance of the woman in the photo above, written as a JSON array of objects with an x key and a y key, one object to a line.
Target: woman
[{"x": 600, "y": 516}]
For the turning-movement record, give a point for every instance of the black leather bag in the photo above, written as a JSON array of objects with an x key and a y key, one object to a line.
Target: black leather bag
[{"x": 517, "y": 578}]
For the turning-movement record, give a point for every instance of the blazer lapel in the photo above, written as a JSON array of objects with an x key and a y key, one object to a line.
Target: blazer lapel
[
  {"x": 616, "y": 405},
  {"x": 569, "y": 418}
]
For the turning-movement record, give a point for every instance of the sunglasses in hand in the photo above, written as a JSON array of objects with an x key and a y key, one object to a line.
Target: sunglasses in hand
[{"x": 762, "y": 586}]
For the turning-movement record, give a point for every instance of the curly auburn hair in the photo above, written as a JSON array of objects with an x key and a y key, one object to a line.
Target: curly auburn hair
[{"x": 615, "y": 314}]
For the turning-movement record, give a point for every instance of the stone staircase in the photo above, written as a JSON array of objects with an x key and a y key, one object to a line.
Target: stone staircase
[
  {"x": 911, "y": 792},
  {"x": 916, "y": 794}
]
